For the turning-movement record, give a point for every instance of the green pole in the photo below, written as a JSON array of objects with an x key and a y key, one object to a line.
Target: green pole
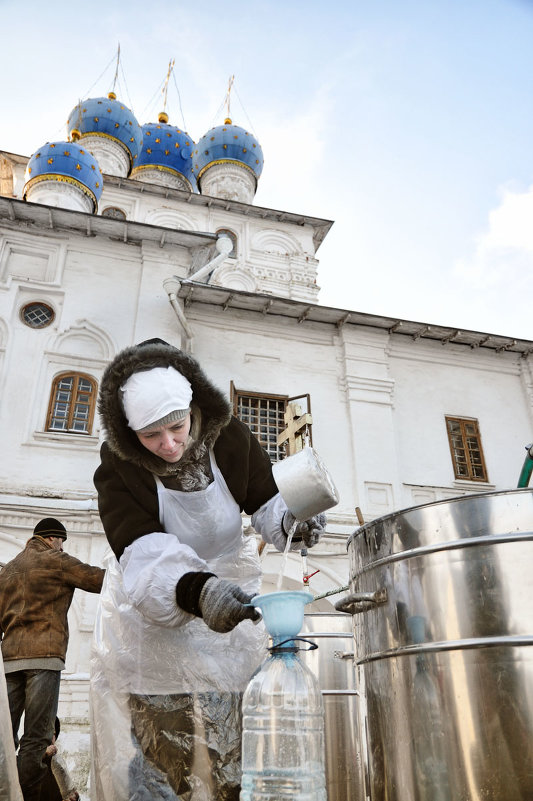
[{"x": 527, "y": 468}]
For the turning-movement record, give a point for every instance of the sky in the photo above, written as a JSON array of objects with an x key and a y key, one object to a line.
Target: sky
[{"x": 408, "y": 124}]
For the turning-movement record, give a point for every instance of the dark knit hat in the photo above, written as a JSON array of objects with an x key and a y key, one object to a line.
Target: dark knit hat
[{"x": 50, "y": 527}]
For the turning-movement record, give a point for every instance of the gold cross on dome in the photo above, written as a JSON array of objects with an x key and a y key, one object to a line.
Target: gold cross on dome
[{"x": 296, "y": 430}]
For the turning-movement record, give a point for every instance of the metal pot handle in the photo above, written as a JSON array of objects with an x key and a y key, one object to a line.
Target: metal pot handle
[{"x": 358, "y": 602}]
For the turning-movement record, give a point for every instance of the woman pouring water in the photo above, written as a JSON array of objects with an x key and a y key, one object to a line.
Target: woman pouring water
[{"x": 175, "y": 640}]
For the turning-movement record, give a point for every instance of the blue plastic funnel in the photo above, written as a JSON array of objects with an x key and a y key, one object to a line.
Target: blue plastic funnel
[{"x": 283, "y": 612}]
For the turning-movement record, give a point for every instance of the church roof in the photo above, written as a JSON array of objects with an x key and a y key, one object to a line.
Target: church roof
[
  {"x": 166, "y": 148},
  {"x": 109, "y": 118},
  {"x": 65, "y": 162},
  {"x": 228, "y": 143}
]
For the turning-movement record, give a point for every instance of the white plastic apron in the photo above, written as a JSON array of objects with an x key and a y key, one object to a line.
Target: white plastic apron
[{"x": 141, "y": 657}]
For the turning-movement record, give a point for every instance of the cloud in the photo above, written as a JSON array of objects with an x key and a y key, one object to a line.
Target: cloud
[
  {"x": 499, "y": 274},
  {"x": 505, "y": 250}
]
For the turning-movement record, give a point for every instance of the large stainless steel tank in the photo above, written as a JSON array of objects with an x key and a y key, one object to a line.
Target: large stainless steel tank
[
  {"x": 442, "y": 598},
  {"x": 332, "y": 664}
]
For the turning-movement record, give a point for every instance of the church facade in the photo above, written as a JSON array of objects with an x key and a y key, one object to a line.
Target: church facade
[{"x": 112, "y": 237}]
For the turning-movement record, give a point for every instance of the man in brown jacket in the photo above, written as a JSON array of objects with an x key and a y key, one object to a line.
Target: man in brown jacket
[{"x": 36, "y": 589}]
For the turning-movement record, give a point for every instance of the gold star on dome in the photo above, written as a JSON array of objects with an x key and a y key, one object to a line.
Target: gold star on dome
[
  {"x": 78, "y": 166},
  {"x": 96, "y": 119},
  {"x": 52, "y": 145},
  {"x": 132, "y": 139},
  {"x": 167, "y": 152},
  {"x": 50, "y": 161},
  {"x": 158, "y": 140},
  {"x": 244, "y": 150},
  {"x": 93, "y": 167},
  {"x": 66, "y": 152},
  {"x": 176, "y": 144},
  {"x": 148, "y": 149},
  {"x": 109, "y": 110},
  {"x": 116, "y": 125},
  {"x": 97, "y": 184},
  {"x": 29, "y": 170}
]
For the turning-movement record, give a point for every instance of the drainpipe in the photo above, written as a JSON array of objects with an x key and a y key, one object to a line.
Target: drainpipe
[
  {"x": 527, "y": 467},
  {"x": 172, "y": 286},
  {"x": 224, "y": 246}
]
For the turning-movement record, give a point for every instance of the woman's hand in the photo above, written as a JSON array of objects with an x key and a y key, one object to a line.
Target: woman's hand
[
  {"x": 223, "y": 605},
  {"x": 308, "y": 532}
]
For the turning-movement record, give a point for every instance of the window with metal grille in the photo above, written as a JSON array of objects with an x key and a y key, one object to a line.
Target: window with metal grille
[
  {"x": 72, "y": 404},
  {"x": 265, "y": 417},
  {"x": 37, "y": 314},
  {"x": 466, "y": 450}
]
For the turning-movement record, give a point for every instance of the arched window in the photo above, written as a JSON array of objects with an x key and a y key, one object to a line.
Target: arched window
[
  {"x": 72, "y": 404},
  {"x": 226, "y": 232},
  {"x": 114, "y": 212}
]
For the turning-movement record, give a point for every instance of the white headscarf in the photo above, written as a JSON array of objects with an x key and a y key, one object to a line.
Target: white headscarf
[{"x": 155, "y": 397}]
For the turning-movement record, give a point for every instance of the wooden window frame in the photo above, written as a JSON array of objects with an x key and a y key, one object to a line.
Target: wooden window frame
[
  {"x": 44, "y": 305},
  {"x": 72, "y": 404},
  {"x": 282, "y": 450},
  {"x": 466, "y": 449}
]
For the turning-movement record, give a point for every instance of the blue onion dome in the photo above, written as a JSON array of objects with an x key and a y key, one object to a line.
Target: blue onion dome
[
  {"x": 228, "y": 144},
  {"x": 108, "y": 118},
  {"x": 167, "y": 150},
  {"x": 67, "y": 163}
]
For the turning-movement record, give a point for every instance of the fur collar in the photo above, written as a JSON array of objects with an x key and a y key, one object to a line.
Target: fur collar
[{"x": 214, "y": 407}]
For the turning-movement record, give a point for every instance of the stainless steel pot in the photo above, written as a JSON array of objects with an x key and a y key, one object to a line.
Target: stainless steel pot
[
  {"x": 442, "y": 601},
  {"x": 332, "y": 664}
]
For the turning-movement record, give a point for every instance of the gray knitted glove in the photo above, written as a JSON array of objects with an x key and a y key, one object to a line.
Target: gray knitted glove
[
  {"x": 222, "y": 605},
  {"x": 308, "y": 532}
]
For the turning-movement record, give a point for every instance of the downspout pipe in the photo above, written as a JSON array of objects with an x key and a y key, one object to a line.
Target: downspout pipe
[
  {"x": 224, "y": 246},
  {"x": 172, "y": 286},
  {"x": 527, "y": 468}
]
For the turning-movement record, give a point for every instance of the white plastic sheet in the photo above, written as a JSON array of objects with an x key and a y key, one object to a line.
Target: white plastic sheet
[
  {"x": 9, "y": 782},
  {"x": 165, "y": 694}
]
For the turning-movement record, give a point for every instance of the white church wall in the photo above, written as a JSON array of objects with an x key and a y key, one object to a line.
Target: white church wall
[{"x": 433, "y": 382}]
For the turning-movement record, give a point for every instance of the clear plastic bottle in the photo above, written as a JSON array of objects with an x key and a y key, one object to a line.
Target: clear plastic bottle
[{"x": 283, "y": 732}]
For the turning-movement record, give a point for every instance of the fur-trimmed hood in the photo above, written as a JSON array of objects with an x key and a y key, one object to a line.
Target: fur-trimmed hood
[{"x": 214, "y": 407}]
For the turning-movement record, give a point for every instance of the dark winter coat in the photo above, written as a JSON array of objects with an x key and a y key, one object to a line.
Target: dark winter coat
[
  {"x": 127, "y": 494},
  {"x": 36, "y": 589}
]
